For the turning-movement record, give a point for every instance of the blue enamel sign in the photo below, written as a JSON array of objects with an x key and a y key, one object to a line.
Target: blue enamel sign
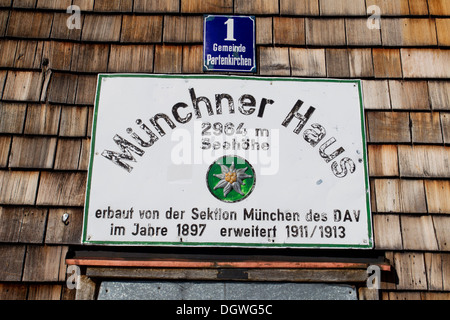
[{"x": 229, "y": 43}]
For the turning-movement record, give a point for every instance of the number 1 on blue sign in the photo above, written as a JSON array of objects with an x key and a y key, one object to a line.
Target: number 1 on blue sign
[{"x": 230, "y": 30}]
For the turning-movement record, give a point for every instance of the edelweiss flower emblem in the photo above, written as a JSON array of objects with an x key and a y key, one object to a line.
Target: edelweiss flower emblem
[{"x": 231, "y": 179}]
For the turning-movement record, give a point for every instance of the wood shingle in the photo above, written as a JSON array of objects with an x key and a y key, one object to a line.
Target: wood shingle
[
  {"x": 18, "y": 187},
  {"x": 424, "y": 161},
  {"x": 436, "y": 66},
  {"x": 400, "y": 196},
  {"x": 23, "y": 86},
  {"x": 438, "y": 196},
  {"x": 33, "y": 152}
]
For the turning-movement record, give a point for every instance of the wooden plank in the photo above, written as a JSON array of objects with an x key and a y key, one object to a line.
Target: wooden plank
[
  {"x": 409, "y": 32},
  {"x": 424, "y": 161},
  {"x": 358, "y": 34},
  {"x": 445, "y": 120},
  {"x": 5, "y": 146},
  {"x": 58, "y": 232},
  {"x": 86, "y": 289},
  {"x": 441, "y": 225},
  {"x": 387, "y": 63},
  {"x": 18, "y": 187},
  {"x": 156, "y": 6},
  {"x": 325, "y": 32},
  {"x": 295, "y": 7},
  {"x": 211, "y": 6},
  {"x": 360, "y": 63},
  {"x": 87, "y": 88},
  {"x": 73, "y": 121},
  {"x": 438, "y": 196},
  {"x": 264, "y": 28},
  {"x": 277, "y": 275},
  {"x": 387, "y": 234},
  {"x": 42, "y": 119},
  {"x": 102, "y": 27},
  {"x": 289, "y": 31},
  {"x": 179, "y": 263},
  {"x": 28, "y": 54},
  {"x": 174, "y": 29},
  {"x": 411, "y": 272},
  {"x": 29, "y": 24},
  {"x": 426, "y": 127},
  {"x": 193, "y": 59},
  {"x": 439, "y": 92},
  {"x": 383, "y": 160},
  {"x": 62, "y": 88},
  {"x": 337, "y": 62},
  {"x": 12, "y": 257},
  {"x": 4, "y": 15},
  {"x": 194, "y": 29},
  {"x": 3, "y": 74},
  {"x": 43, "y": 263},
  {"x": 90, "y": 121},
  {"x": 401, "y": 196},
  {"x": 443, "y": 31},
  {"x": 12, "y": 117},
  {"x": 62, "y": 189},
  {"x": 60, "y": 30},
  {"x": 256, "y": 7},
  {"x": 425, "y": 63},
  {"x": 401, "y": 295},
  {"x": 446, "y": 271},
  {"x": 342, "y": 8},
  {"x": 45, "y": 292},
  {"x": 439, "y": 7},
  {"x": 388, "y": 127},
  {"x": 13, "y": 291},
  {"x": 418, "y": 7},
  {"x": 433, "y": 263},
  {"x": 274, "y": 61},
  {"x": 113, "y": 6},
  {"x": 391, "y": 7},
  {"x": 85, "y": 5},
  {"x": 32, "y": 226},
  {"x": 23, "y": 86},
  {"x": 8, "y": 53},
  {"x": 145, "y": 29},
  {"x": 308, "y": 62},
  {"x": 435, "y": 296},
  {"x": 10, "y": 222},
  {"x": 409, "y": 95},
  {"x": 376, "y": 94},
  {"x": 53, "y": 4},
  {"x": 58, "y": 54},
  {"x": 90, "y": 57},
  {"x": 184, "y": 29},
  {"x": 137, "y": 58},
  {"x": 34, "y": 152},
  {"x": 21, "y": 3},
  {"x": 168, "y": 59},
  {"x": 83, "y": 164},
  {"x": 67, "y": 154},
  {"x": 418, "y": 233}
]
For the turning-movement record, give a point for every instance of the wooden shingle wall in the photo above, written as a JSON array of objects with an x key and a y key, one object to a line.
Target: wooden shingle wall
[{"x": 47, "y": 88}]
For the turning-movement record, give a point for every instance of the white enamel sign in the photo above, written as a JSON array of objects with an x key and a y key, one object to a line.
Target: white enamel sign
[{"x": 228, "y": 161}]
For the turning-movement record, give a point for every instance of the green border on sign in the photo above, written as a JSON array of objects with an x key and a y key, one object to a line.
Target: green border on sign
[{"x": 224, "y": 244}]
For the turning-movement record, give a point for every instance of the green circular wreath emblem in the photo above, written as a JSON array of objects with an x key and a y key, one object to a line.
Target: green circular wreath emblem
[{"x": 231, "y": 179}]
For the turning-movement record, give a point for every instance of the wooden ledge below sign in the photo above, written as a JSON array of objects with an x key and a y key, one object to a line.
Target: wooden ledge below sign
[
  {"x": 173, "y": 263},
  {"x": 227, "y": 264}
]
